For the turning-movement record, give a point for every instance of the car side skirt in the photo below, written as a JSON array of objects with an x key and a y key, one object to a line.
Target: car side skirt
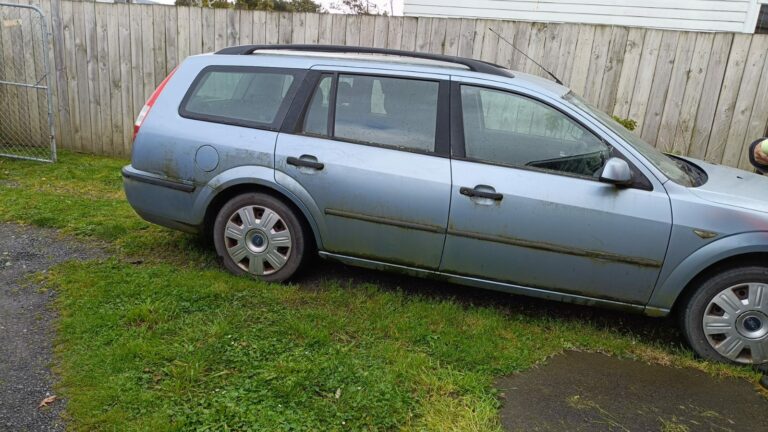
[{"x": 494, "y": 285}]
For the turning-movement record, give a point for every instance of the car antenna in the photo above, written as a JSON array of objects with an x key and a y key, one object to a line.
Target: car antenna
[{"x": 557, "y": 80}]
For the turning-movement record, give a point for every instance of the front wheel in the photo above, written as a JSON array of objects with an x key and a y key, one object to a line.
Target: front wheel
[
  {"x": 258, "y": 235},
  {"x": 726, "y": 318}
]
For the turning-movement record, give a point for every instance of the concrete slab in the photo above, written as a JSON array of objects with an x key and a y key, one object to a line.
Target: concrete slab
[{"x": 594, "y": 392}]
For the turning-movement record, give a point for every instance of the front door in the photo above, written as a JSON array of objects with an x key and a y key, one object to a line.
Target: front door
[
  {"x": 370, "y": 156},
  {"x": 527, "y": 207}
]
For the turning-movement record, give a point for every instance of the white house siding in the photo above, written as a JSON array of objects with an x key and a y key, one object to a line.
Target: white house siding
[{"x": 702, "y": 15}]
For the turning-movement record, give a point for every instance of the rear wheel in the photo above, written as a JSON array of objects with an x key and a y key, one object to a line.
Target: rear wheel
[
  {"x": 726, "y": 318},
  {"x": 258, "y": 235}
]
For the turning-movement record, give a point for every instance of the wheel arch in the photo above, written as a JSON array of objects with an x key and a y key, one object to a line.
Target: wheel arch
[
  {"x": 219, "y": 194},
  {"x": 741, "y": 249}
]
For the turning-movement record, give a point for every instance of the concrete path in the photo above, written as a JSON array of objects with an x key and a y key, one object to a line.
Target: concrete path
[{"x": 593, "y": 392}]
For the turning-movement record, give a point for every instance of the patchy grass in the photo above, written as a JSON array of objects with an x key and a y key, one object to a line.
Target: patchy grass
[{"x": 158, "y": 337}]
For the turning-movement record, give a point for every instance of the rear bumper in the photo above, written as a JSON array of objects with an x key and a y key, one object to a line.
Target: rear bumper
[{"x": 161, "y": 201}]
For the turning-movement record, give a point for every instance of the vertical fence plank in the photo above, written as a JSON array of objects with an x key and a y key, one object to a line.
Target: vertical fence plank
[
  {"x": 312, "y": 28},
  {"x": 395, "y": 33},
  {"x": 233, "y": 25},
  {"x": 104, "y": 80},
  {"x": 207, "y": 30},
  {"x": 676, "y": 91},
  {"x": 690, "y": 104},
  {"x": 126, "y": 95},
  {"x": 643, "y": 85},
  {"x": 171, "y": 39},
  {"x": 437, "y": 37},
  {"x": 578, "y": 78},
  {"x": 220, "y": 29},
  {"x": 183, "y": 33},
  {"x": 380, "y": 31},
  {"x": 246, "y": 27},
  {"x": 629, "y": 69},
  {"x": 286, "y": 25},
  {"x": 259, "y": 27},
  {"x": 325, "y": 29},
  {"x": 352, "y": 31},
  {"x": 195, "y": 30},
  {"x": 159, "y": 45},
  {"x": 597, "y": 62},
  {"x": 613, "y": 67},
  {"x": 367, "y": 27},
  {"x": 745, "y": 100},
  {"x": 82, "y": 78},
  {"x": 728, "y": 94},
  {"x": 710, "y": 94}
]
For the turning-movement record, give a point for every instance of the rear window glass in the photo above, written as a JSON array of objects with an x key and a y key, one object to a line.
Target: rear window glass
[{"x": 239, "y": 95}]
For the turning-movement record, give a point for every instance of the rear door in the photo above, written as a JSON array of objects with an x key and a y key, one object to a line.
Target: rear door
[
  {"x": 527, "y": 207},
  {"x": 371, "y": 154}
]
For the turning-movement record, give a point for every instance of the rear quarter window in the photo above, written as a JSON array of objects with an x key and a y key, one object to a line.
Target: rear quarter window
[{"x": 241, "y": 95}]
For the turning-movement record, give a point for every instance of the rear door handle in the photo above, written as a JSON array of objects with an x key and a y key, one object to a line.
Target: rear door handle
[
  {"x": 304, "y": 161},
  {"x": 478, "y": 193}
]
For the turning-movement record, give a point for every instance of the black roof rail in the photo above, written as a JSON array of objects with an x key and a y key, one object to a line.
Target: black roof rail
[{"x": 473, "y": 65}]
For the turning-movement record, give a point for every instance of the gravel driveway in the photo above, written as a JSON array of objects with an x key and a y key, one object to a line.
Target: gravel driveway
[{"x": 26, "y": 326}]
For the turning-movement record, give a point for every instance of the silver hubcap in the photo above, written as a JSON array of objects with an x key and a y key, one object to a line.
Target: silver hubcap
[
  {"x": 258, "y": 240},
  {"x": 736, "y": 323}
]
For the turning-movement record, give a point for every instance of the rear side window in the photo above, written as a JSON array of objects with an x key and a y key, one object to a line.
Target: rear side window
[
  {"x": 391, "y": 112},
  {"x": 245, "y": 96}
]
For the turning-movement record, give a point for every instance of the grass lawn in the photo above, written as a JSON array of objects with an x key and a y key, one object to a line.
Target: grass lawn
[{"x": 156, "y": 336}]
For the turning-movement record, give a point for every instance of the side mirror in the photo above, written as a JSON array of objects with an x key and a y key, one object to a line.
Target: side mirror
[{"x": 616, "y": 171}]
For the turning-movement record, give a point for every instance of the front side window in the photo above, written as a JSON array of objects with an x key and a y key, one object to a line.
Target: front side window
[
  {"x": 391, "y": 112},
  {"x": 239, "y": 95},
  {"x": 510, "y": 129}
]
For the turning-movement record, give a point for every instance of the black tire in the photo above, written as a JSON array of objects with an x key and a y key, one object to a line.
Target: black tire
[
  {"x": 287, "y": 219},
  {"x": 695, "y": 305}
]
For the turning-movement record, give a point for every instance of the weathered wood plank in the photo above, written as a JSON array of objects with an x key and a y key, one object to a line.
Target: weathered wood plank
[
  {"x": 259, "y": 27},
  {"x": 676, "y": 91},
  {"x": 578, "y": 78},
  {"x": 299, "y": 28},
  {"x": 466, "y": 37},
  {"x": 612, "y": 71},
  {"x": 395, "y": 32},
  {"x": 737, "y": 134},
  {"x": 367, "y": 25},
  {"x": 220, "y": 29},
  {"x": 629, "y": 69},
  {"x": 380, "y": 31},
  {"x": 312, "y": 28},
  {"x": 692, "y": 97},
  {"x": 644, "y": 82},
  {"x": 147, "y": 52},
  {"x": 159, "y": 43},
  {"x": 104, "y": 79},
  {"x": 92, "y": 65},
  {"x": 82, "y": 78},
  {"x": 285, "y": 28},
  {"x": 710, "y": 94},
  {"x": 195, "y": 31},
  {"x": 233, "y": 27},
  {"x": 171, "y": 39},
  {"x": 728, "y": 94},
  {"x": 325, "y": 29},
  {"x": 437, "y": 36},
  {"x": 183, "y": 32},
  {"x": 125, "y": 83},
  {"x": 661, "y": 79},
  {"x": 597, "y": 62},
  {"x": 422, "y": 34},
  {"x": 208, "y": 30},
  {"x": 408, "y": 39}
]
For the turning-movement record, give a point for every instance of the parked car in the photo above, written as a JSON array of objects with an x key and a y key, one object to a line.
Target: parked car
[{"x": 452, "y": 168}]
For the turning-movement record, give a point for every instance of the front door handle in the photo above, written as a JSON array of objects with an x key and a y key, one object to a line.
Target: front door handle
[
  {"x": 479, "y": 193},
  {"x": 304, "y": 161}
]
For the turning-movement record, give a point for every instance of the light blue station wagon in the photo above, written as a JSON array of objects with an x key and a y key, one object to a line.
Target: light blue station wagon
[{"x": 450, "y": 168}]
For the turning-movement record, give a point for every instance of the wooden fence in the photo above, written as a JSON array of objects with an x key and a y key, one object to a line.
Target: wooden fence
[{"x": 700, "y": 94}]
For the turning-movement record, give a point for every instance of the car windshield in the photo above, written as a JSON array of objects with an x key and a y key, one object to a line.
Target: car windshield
[{"x": 676, "y": 169}]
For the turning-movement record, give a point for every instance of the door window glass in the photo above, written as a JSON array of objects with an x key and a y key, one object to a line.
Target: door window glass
[
  {"x": 509, "y": 129},
  {"x": 316, "y": 119},
  {"x": 387, "y": 111}
]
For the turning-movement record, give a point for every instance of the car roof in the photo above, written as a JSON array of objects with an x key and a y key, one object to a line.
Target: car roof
[{"x": 380, "y": 58}]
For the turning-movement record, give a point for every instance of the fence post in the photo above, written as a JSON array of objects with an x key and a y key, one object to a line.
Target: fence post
[{"x": 62, "y": 90}]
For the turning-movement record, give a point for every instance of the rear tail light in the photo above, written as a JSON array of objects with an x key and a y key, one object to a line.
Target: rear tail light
[{"x": 148, "y": 106}]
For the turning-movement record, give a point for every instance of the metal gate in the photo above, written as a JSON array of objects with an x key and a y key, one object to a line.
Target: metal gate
[{"x": 26, "y": 117}]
